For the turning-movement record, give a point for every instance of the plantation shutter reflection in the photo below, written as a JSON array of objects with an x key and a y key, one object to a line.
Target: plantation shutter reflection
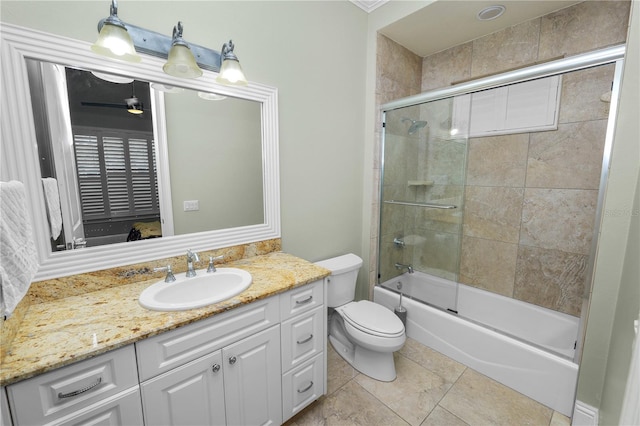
[{"x": 116, "y": 173}]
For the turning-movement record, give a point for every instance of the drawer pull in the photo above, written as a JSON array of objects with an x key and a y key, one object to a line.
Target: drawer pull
[
  {"x": 79, "y": 391},
  {"x": 307, "y": 388},
  {"x": 215, "y": 368},
  {"x": 300, "y": 342},
  {"x": 232, "y": 360},
  {"x": 302, "y": 302}
]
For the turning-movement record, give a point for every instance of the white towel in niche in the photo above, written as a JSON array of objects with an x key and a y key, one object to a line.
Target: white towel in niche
[
  {"x": 18, "y": 256},
  {"x": 52, "y": 199}
]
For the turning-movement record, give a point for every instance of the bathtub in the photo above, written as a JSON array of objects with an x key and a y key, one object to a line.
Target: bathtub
[{"x": 525, "y": 347}]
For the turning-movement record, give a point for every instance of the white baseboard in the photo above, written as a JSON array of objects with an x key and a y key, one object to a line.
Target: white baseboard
[{"x": 584, "y": 415}]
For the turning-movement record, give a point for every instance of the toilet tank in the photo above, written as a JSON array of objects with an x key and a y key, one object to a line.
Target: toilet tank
[{"x": 342, "y": 282}]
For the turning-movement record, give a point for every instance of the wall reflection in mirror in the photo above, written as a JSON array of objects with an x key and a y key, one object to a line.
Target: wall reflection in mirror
[{"x": 100, "y": 143}]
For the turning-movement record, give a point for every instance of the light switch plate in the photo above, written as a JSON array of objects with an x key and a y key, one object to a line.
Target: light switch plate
[{"x": 191, "y": 205}]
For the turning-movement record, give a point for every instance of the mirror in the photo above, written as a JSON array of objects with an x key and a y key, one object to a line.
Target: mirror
[
  {"x": 104, "y": 132},
  {"x": 239, "y": 204}
]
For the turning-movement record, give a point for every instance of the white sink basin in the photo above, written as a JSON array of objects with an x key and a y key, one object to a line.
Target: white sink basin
[{"x": 195, "y": 292}]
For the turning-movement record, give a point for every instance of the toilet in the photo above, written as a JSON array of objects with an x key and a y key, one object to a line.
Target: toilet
[{"x": 364, "y": 333}]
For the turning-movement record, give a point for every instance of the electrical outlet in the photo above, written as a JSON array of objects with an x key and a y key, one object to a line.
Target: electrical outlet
[{"x": 191, "y": 206}]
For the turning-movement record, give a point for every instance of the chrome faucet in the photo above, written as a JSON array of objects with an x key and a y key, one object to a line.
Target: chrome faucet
[
  {"x": 409, "y": 268},
  {"x": 192, "y": 256}
]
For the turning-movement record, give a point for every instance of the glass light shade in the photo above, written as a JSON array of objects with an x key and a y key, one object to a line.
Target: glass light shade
[
  {"x": 231, "y": 73},
  {"x": 181, "y": 63},
  {"x": 135, "y": 109},
  {"x": 115, "y": 42}
]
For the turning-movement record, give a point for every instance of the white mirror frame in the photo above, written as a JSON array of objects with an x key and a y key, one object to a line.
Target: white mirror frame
[{"x": 19, "y": 153}]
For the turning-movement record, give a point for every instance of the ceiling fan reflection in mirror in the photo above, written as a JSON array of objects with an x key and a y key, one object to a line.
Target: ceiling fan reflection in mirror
[{"x": 132, "y": 104}]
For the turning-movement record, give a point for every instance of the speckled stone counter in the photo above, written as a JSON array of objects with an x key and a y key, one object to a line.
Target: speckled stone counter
[{"x": 59, "y": 332}]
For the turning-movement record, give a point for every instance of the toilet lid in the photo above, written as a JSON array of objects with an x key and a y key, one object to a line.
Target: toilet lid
[{"x": 373, "y": 318}]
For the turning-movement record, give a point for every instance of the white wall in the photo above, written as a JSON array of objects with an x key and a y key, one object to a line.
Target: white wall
[
  {"x": 614, "y": 294},
  {"x": 313, "y": 52}
]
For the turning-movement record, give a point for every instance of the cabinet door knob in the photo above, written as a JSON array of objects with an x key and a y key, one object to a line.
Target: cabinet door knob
[
  {"x": 232, "y": 360},
  {"x": 215, "y": 368}
]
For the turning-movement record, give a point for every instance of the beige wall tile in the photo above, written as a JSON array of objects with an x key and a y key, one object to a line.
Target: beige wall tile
[
  {"x": 582, "y": 92},
  {"x": 444, "y": 68},
  {"x": 558, "y": 219},
  {"x": 509, "y": 48},
  {"x": 487, "y": 264},
  {"x": 498, "y": 160},
  {"x": 493, "y": 213},
  {"x": 570, "y": 157},
  {"x": 551, "y": 278},
  {"x": 583, "y": 27}
]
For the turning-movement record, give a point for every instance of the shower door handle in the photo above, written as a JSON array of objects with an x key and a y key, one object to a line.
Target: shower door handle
[{"x": 427, "y": 205}]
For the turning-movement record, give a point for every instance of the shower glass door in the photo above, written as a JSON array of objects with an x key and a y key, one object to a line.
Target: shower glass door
[{"x": 422, "y": 193}]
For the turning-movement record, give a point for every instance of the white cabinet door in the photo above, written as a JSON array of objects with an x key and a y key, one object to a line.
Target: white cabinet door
[
  {"x": 252, "y": 379},
  {"x": 192, "y": 394}
]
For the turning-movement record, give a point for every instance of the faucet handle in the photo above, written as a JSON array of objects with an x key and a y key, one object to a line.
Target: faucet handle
[
  {"x": 170, "y": 277},
  {"x": 212, "y": 267},
  {"x": 192, "y": 256}
]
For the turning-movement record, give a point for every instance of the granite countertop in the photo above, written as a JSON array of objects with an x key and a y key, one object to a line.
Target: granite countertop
[{"x": 59, "y": 332}]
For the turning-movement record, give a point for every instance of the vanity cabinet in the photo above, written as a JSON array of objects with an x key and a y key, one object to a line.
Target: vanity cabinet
[
  {"x": 256, "y": 364},
  {"x": 234, "y": 385}
]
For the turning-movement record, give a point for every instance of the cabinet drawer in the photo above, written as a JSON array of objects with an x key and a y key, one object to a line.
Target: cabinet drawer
[
  {"x": 302, "y": 385},
  {"x": 121, "y": 409},
  {"x": 302, "y": 338},
  {"x": 168, "y": 350},
  {"x": 303, "y": 299},
  {"x": 58, "y": 393}
]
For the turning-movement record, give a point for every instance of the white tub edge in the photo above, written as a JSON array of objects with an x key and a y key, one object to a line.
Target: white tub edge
[{"x": 544, "y": 377}]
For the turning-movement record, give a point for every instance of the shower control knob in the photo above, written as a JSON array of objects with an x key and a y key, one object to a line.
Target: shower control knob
[
  {"x": 232, "y": 360},
  {"x": 215, "y": 368}
]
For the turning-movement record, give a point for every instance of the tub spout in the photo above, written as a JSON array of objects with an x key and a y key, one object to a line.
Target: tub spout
[{"x": 409, "y": 268}]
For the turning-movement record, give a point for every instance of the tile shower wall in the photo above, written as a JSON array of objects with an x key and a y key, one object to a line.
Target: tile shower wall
[{"x": 530, "y": 198}]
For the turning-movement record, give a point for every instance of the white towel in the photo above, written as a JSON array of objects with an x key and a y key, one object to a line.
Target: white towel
[
  {"x": 52, "y": 200},
  {"x": 18, "y": 256}
]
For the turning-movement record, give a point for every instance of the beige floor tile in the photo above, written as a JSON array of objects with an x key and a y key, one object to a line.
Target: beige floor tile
[
  {"x": 560, "y": 420},
  {"x": 339, "y": 371},
  {"x": 432, "y": 360},
  {"x": 440, "y": 417},
  {"x": 414, "y": 392},
  {"x": 479, "y": 400},
  {"x": 350, "y": 405}
]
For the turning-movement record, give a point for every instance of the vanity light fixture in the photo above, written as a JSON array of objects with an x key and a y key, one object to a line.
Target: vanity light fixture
[
  {"x": 114, "y": 40},
  {"x": 171, "y": 48},
  {"x": 230, "y": 70},
  {"x": 180, "y": 62}
]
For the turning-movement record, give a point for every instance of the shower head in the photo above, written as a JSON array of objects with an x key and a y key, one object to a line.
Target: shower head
[{"x": 415, "y": 125}]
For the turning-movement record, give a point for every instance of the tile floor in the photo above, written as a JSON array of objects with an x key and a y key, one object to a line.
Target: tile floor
[{"x": 430, "y": 389}]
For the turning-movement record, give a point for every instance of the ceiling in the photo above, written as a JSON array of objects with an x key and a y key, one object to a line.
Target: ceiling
[{"x": 447, "y": 23}]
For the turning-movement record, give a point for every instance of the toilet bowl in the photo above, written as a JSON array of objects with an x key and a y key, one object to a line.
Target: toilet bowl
[{"x": 364, "y": 333}]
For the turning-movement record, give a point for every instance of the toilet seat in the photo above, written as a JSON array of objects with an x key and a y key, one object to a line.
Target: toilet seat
[{"x": 372, "y": 318}]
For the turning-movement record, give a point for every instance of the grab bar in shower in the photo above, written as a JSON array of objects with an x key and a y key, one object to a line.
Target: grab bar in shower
[{"x": 428, "y": 205}]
